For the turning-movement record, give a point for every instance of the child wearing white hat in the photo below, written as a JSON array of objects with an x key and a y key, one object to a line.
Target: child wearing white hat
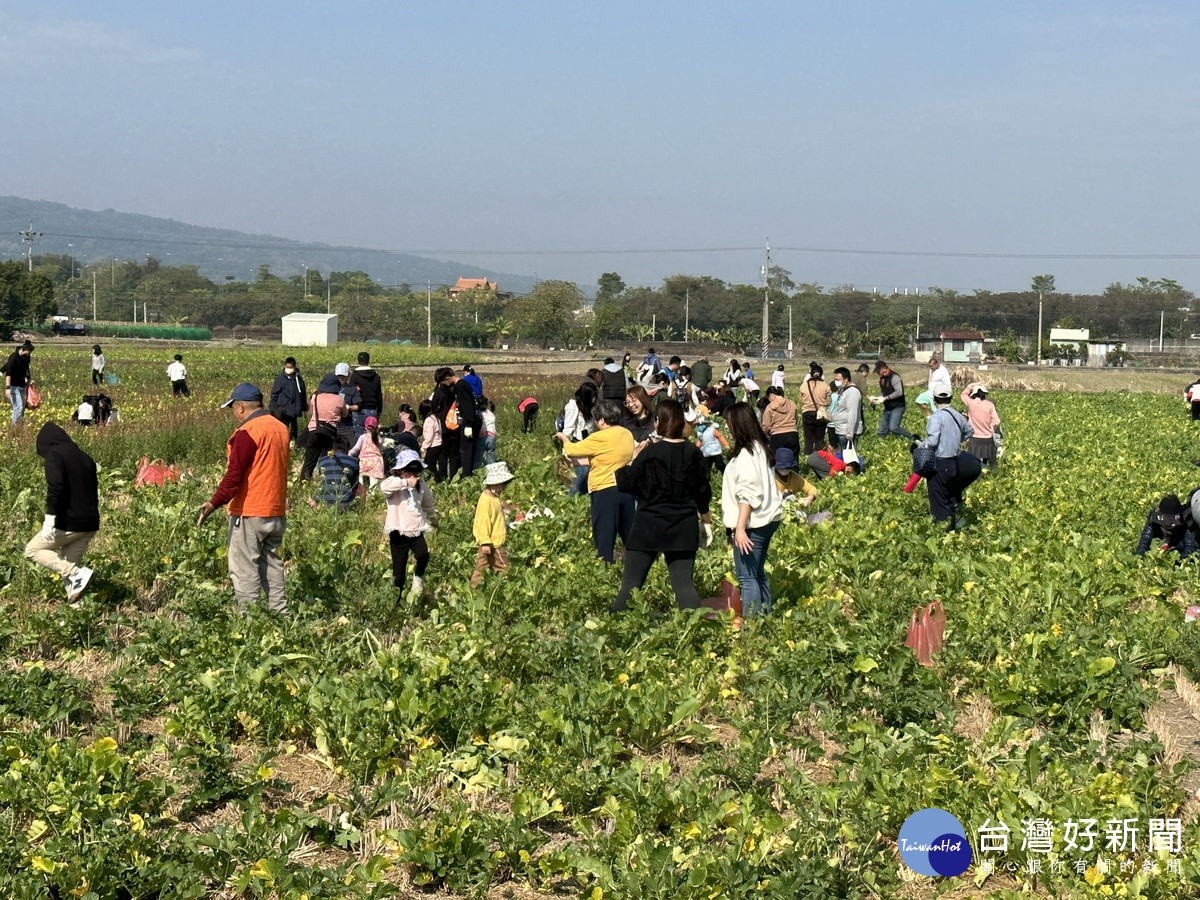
[
  {"x": 410, "y": 515},
  {"x": 490, "y": 530}
]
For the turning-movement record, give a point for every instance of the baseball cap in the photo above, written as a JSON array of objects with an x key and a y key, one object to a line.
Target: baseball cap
[
  {"x": 342, "y": 369},
  {"x": 244, "y": 391},
  {"x": 785, "y": 459}
]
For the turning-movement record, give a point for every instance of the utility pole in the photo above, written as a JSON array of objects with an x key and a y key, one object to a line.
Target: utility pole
[
  {"x": 653, "y": 325},
  {"x": 1162, "y": 317},
  {"x": 790, "y": 331},
  {"x": 917, "y": 337},
  {"x": 305, "y": 282},
  {"x": 329, "y": 295},
  {"x": 27, "y": 237},
  {"x": 1039, "y": 334},
  {"x": 687, "y": 300},
  {"x": 428, "y": 314},
  {"x": 93, "y": 296},
  {"x": 766, "y": 299}
]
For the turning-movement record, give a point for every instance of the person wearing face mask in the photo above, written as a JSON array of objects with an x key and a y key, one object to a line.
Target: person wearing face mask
[
  {"x": 289, "y": 397},
  {"x": 847, "y": 414},
  {"x": 410, "y": 516}
]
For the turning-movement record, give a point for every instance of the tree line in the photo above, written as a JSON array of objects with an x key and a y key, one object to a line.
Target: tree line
[{"x": 837, "y": 319}]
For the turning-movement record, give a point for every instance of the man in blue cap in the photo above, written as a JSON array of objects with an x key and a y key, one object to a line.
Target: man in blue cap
[{"x": 255, "y": 487}]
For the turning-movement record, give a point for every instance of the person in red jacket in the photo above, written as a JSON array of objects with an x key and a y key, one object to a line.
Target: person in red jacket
[{"x": 255, "y": 487}]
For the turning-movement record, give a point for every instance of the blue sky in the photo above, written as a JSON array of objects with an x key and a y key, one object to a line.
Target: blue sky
[{"x": 961, "y": 127}]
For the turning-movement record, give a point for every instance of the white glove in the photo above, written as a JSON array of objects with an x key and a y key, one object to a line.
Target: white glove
[
  {"x": 468, "y": 432},
  {"x": 706, "y": 541},
  {"x": 47, "y": 532}
]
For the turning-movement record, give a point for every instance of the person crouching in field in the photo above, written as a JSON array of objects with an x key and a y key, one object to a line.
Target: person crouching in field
[
  {"x": 410, "y": 515},
  {"x": 529, "y": 410},
  {"x": 72, "y": 510},
  {"x": 1169, "y": 526},
  {"x": 489, "y": 529}
]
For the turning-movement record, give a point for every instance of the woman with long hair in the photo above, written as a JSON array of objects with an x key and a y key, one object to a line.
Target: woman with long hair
[
  {"x": 578, "y": 422},
  {"x": 751, "y": 507},
  {"x": 671, "y": 484}
]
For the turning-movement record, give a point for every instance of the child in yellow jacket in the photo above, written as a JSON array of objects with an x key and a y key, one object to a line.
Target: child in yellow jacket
[{"x": 489, "y": 529}]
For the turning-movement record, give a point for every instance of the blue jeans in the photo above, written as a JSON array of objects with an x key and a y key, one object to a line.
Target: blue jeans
[
  {"x": 890, "y": 423},
  {"x": 749, "y": 569},
  {"x": 16, "y": 396}
]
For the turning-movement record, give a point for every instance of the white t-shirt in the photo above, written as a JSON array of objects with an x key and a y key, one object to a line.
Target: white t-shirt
[
  {"x": 489, "y": 422},
  {"x": 177, "y": 371},
  {"x": 939, "y": 381}
]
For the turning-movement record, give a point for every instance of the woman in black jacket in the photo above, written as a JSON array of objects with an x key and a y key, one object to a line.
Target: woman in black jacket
[
  {"x": 72, "y": 509},
  {"x": 671, "y": 483},
  {"x": 440, "y": 401}
]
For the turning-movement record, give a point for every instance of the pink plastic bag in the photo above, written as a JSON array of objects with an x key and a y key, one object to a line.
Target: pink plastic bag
[
  {"x": 728, "y": 599},
  {"x": 925, "y": 630}
]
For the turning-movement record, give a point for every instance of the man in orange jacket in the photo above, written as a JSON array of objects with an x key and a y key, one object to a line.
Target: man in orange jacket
[{"x": 255, "y": 487}]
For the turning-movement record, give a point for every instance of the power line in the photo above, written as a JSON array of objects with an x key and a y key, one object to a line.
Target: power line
[{"x": 285, "y": 244}]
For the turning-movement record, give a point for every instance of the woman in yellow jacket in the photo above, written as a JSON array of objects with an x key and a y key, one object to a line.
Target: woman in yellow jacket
[{"x": 608, "y": 448}]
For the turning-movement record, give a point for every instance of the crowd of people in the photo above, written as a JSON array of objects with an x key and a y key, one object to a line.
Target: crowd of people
[{"x": 641, "y": 441}]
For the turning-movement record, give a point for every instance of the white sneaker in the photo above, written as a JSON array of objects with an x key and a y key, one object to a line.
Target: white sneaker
[
  {"x": 77, "y": 582},
  {"x": 418, "y": 586}
]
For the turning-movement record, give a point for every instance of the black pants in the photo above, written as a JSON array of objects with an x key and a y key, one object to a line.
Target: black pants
[
  {"x": 680, "y": 564},
  {"x": 179, "y": 388},
  {"x": 290, "y": 422},
  {"x": 450, "y": 453},
  {"x": 98, "y": 378},
  {"x": 788, "y": 439},
  {"x": 714, "y": 462},
  {"x": 319, "y": 443},
  {"x": 1195, "y": 410},
  {"x": 946, "y": 486},
  {"x": 466, "y": 452},
  {"x": 612, "y": 515},
  {"x": 401, "y": 546},
  {"x": 814, "y": 432},
  {"x": 435, "y": 459},
  {"x": 531, "y": 411}
]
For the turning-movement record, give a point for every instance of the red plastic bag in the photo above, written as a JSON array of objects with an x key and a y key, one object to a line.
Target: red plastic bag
[
  {"x": 925, "y": 630},
  {"x": 33, "y": 397},
  {"x": 155, "y": 472},
  {"x": 728, "y": 599}
]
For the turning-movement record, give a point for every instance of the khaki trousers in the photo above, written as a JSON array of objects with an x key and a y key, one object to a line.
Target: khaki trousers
[
  {"x": 62, "y": 552},
  {"x": 496, "y": 560},
  {"x": 254, "y": 562}
]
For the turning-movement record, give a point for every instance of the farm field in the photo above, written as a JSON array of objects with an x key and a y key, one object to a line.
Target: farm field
[{"x": 521, "y": 741}]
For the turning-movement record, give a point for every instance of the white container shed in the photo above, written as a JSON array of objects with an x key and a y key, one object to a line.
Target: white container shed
[{"x": 310, "y": 330}]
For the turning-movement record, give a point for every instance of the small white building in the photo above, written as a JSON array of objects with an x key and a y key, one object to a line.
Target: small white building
[{"x": 310, "y": 330}]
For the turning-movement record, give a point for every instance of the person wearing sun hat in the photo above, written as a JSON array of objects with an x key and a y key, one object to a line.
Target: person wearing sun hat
[
  {"x": 255, "y": 487},
  {"x": 1171, "y": 526},
  {"x": 410, "y": 515},
  {"x": 489, "y": 528}
]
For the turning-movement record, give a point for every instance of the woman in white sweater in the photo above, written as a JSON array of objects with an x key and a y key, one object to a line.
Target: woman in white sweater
[{"x": 751, "y": 507}]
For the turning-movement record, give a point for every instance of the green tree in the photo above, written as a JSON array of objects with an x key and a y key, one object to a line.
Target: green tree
[
  {"x": 548, "y": 313},
  {"x": 780, "y": 279},
  {"x": 1042, "y": 284},
  {"x": 608, "y": 287}
]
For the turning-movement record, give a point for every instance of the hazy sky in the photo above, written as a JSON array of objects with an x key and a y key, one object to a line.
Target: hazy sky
[{"x": 958, "y": 126}]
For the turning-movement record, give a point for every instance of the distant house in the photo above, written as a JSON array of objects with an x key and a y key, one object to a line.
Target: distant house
[
  {"x": 472, "y": 284},
  {"x": 1098, "y": 350},
  {"x": 962, "y": 346}
]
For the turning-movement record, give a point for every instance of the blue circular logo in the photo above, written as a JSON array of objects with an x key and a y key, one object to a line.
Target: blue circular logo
[{"x": 933, "y": 842}]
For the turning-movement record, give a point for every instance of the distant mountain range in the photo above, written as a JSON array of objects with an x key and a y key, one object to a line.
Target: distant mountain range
[{"x": 91, "y": 236}]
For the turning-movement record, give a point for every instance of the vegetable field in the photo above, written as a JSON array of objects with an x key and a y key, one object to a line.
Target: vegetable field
[{"x": 520, "y": 740}]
